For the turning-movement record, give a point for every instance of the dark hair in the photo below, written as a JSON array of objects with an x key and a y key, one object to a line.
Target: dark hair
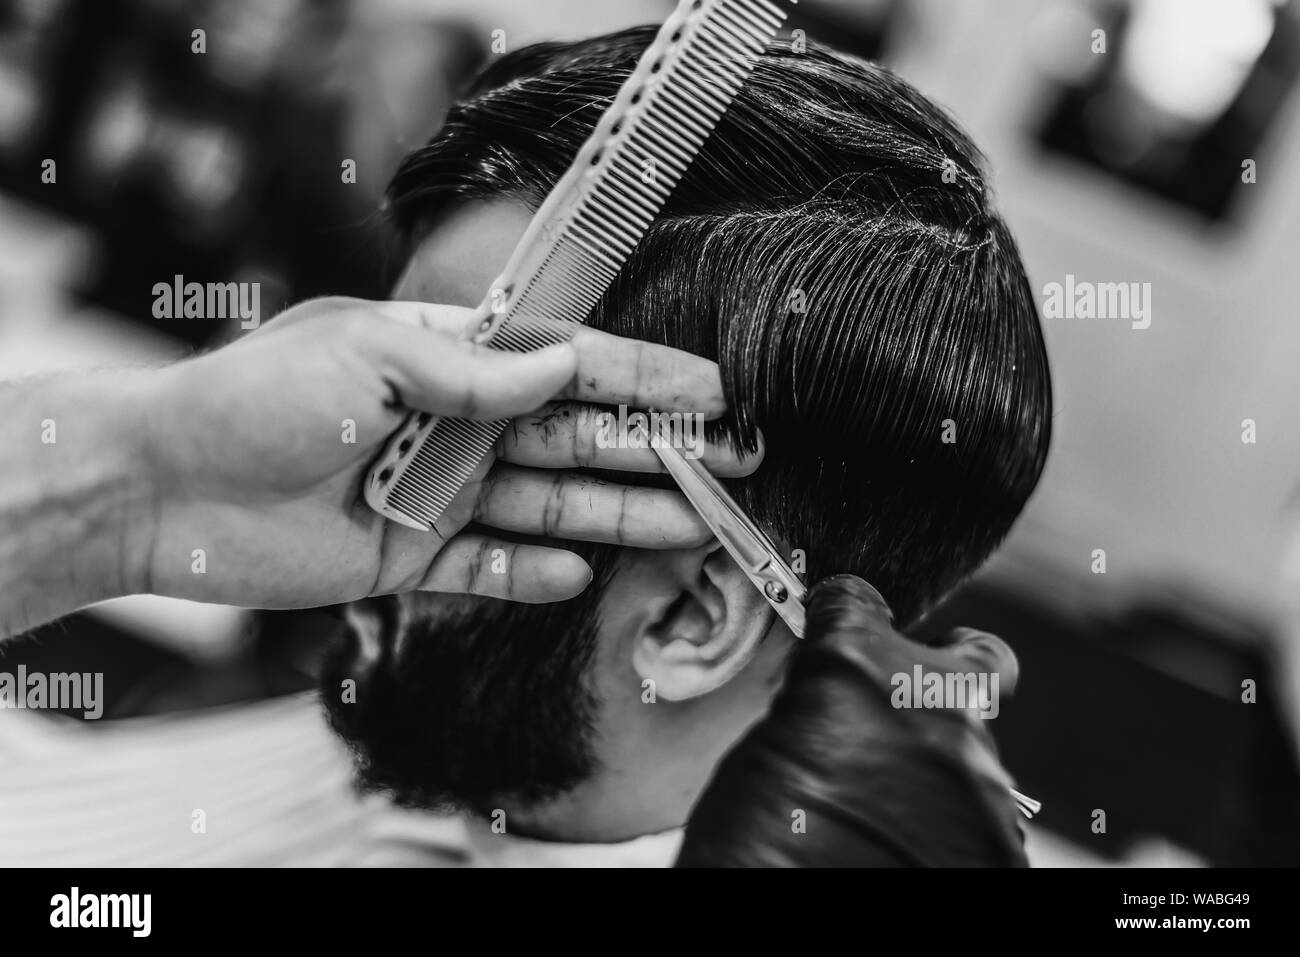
[{"x": 834, "y": 248}]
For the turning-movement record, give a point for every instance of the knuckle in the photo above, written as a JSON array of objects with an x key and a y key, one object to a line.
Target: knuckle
[
  {"x": 475, "y": 566},
  {"x": 640, "y": 365},
  {"x": 467, "y": 402},
  {"x": 553, "y": 510},
  {"x": 624, "y": 509},
  {"x": 347, "y": 323},
  {"x": 586, "y": 424},
  {"x": 508, "y": 442},
  {"x": 512, "y": 552},
  {"x": 336, "y": 303},
  {"x": 485, "y": 501}
]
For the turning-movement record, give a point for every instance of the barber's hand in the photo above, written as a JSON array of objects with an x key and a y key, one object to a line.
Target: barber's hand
[
  {"x": 877, "y": 785},
  {"x": 244, "y": 451}
]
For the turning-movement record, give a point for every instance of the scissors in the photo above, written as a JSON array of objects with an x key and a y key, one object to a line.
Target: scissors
[{"x": 753, "y": 551}]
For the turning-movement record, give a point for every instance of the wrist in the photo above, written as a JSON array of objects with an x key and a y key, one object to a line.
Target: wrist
[
  {"x": 131, "y": 505},
  {"x": 104, "y": 481},
  {"x": 77, "y": 505}
]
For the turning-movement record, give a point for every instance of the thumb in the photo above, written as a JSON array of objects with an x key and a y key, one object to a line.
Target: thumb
[
  {"x": 846, "y": 603},
  {"x": 984, "y": 652},
  {"x": 435, "y": 372}
]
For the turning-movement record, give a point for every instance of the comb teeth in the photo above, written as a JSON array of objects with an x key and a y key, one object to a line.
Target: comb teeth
[{"x": 592, "y": 221}]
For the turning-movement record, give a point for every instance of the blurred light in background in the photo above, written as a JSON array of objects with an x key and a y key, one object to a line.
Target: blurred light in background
[
  {"x": 1184, "y": 91},
  {"x": 224, "y": 163},
  {"x": 1190, "y": 58}
]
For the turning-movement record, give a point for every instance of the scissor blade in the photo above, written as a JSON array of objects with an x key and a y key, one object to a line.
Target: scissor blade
[
  {"x": 746, "y": 544},
  {"x": 698, "y": 491}
]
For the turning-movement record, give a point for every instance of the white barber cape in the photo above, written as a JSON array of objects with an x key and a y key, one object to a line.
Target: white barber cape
[{"x": 257, "y": 785}]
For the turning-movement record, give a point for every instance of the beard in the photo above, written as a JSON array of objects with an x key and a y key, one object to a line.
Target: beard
[{"x": 466, "y": 703}]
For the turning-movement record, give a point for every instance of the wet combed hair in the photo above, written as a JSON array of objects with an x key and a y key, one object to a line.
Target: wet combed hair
[
  {"x": 854, "y": 295},
  {"x": 834, "y": 248}
]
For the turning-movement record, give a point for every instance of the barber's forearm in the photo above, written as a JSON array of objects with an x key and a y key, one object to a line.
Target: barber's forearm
[{"x": 76, "y": 506}]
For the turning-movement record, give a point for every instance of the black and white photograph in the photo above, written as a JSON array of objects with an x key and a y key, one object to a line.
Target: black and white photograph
[{"x": 645, "y": 434}]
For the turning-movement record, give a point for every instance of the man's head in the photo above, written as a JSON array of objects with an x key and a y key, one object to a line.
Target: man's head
[{"x": 834, "y": 249}]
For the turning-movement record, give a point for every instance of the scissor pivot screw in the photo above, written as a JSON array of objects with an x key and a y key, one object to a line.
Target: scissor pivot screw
[{"x": 776, "y": 591}]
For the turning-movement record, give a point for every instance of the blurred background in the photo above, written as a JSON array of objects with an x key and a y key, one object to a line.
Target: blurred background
[{"x": 1124, "y": 163}]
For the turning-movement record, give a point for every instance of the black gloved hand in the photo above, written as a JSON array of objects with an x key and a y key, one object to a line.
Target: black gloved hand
[{"x": 878, "y": 785}]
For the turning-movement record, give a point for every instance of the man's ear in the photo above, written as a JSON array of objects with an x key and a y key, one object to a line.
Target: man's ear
[{"x": 706, "y": 627}]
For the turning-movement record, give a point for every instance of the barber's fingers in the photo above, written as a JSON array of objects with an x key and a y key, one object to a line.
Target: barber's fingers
[
  {"x": 567, "y": 505},
  {"x": 448, "y": 320},
  {"x": 644, "y": 375},
  {"x": 847, "y": 611},
  {"x": 474, "y": 564},
  {"x": 846, "y": 603},
  {"x": 611, "y": 370},
  {"x": 575, "y": 435},
  {"x": 984, "y": 653},
  {"x": 435, "y": 372}
]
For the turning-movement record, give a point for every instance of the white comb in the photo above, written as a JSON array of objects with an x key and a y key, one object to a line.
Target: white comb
[{"x": 584, "y": 232}]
